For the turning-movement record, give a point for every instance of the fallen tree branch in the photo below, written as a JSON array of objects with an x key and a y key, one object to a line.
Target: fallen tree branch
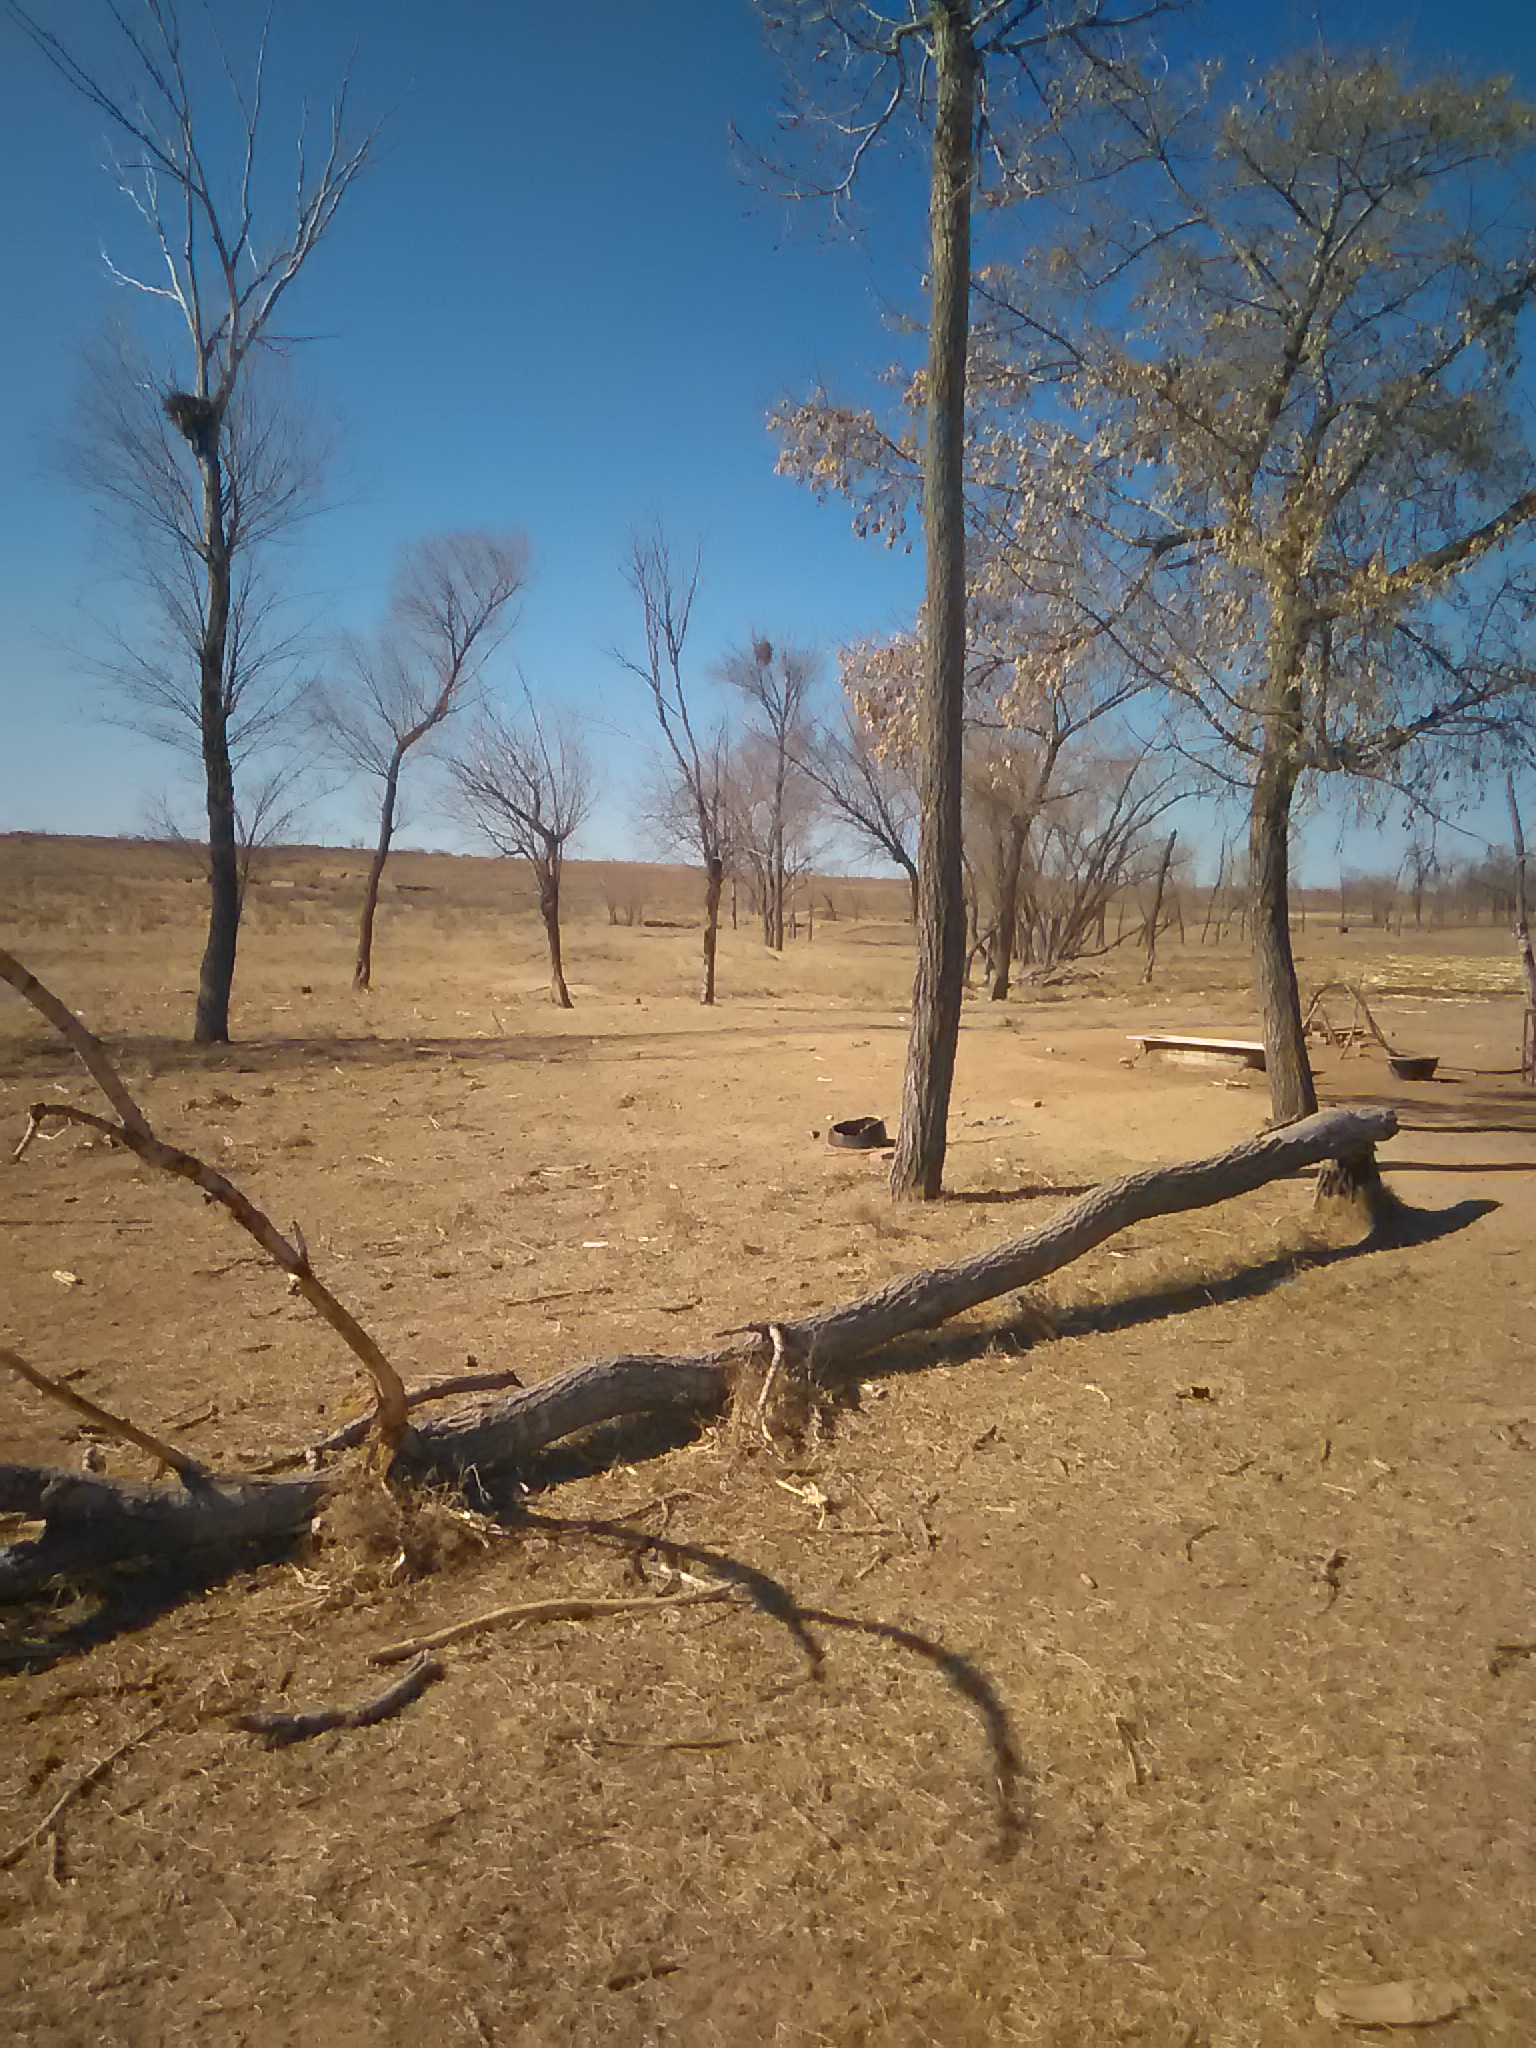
[
  {"x": 282, "y": 1729},
  {"x": 133, "y": 1130},
  {"x": 292, "y": 1259},
  {"x": 90, "y": 1522},
  {"x": 188, "y": 1470},
  {"x": 836, "y": 1338},
  {"x": 352, "y": 1433},
  {"x": 502, "y": 1434},
  {"x": 90, "y": 1050},
  {"x": 546, "y": 1610}
]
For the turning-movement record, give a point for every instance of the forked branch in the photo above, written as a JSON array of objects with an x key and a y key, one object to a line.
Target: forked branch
[{"x": 134, "y": 1132}]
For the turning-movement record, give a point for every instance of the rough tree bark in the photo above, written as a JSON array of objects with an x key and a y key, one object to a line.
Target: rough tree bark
[
  {"x": 1007, "y": 911},
  {"x": 1157, "y": 907},
  {"x": 918, "y": 1167},
  {"x": 362, "y": 973},
  {"x": 1292, "y": 1093},
  {"x": 201, "y": 420},
  {"x": 90, "y": 1521},
  {"x": 714, "y": 882},
  {"x": 549, "y": 911}
]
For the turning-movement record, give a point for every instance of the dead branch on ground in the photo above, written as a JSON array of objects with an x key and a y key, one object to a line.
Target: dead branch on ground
[
  {"x": 352, "y": 1433},
  {"x": 85, "y": 1044},
  {"x": 85, "y": 1517},
  {"x": 187, "y": 1469},
  {"x": 89, "y": 1521},
  {"x": 135, "y": 1132},
  {"x": 546, "y": 1610},
  {"x": 92, "y": 1775},
  {"x": 280, "y": 1729}
]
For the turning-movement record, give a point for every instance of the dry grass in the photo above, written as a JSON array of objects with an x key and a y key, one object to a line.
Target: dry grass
[{"x": 1116, "y": 1666}]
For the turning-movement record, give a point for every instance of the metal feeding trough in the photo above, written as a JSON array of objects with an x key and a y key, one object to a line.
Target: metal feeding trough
[
  {"x": 859, "y": 1134},
  {"x": 1412, "y": 1066}
]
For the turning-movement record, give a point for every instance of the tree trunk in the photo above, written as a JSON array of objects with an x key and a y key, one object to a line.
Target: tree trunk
[
  {"x": 362, "y": 973},
  {"x": 714, "y": 882},
  {"x": 1291, "y": 1090},
  {"x": 1523, "y": 935},
  {"x": 216, "y": 978},
  {"x": 778, "y": 854},
  {"x": 1157, "y": 906},
  {"x": 1007, "y": 912},
  {"x": 918, "y": 1167},
  {"x": 549, "y": 910}
]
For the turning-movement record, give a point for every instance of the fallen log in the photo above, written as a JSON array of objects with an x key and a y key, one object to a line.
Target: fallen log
[
  {"x": 91, "y": 1520},
  {"x": 837, "y": 1337}
]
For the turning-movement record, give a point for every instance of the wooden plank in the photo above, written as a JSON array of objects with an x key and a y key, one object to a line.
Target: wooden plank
[{"x": 1247, "y": 1052}]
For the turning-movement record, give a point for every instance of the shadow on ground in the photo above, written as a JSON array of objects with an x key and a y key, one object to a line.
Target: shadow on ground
[
  {"x": 771, "y": 1597},
  {"x": 1028, "y": 1326}
]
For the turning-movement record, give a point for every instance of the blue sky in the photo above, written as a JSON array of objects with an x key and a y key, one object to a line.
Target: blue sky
[{"x": 552, "y": 304}]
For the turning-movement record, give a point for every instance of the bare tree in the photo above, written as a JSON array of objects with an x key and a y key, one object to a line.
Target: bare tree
[
  {"x": 223, "y": 280},
  {"x": 450, "y": 608},
  {"x": 1006, "y": 780},
  {"x": 703, "y": 813},
  {"x": 775, "y": 682},
  {"x": 871, "y": 795},
  {"x": 773, "y": 843},
  {"x": 122, "y": 450},
  {"x": 941, "y": 60},
  {"x": 528, "y": 791}
]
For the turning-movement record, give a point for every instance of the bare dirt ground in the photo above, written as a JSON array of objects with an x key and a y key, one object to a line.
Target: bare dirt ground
[{"x": 1175, "y": 1621}]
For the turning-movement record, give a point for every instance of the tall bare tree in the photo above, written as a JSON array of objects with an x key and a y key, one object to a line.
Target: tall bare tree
[
  {"x": 702, "y": 765},
  {"x": 942, "y": 61},
  {"x": 775, "y": 681},
  {"x": 450, "y": 608},
  {"x": 223, "y": 276},
  {"x": 527, "y": 788}
]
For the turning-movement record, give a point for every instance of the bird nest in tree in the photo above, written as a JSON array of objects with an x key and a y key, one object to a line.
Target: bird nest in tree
[{"x": 196, "y": 418}]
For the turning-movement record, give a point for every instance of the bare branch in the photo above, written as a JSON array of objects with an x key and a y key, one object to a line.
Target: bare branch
[
  {"x": 187, "y": 1469},
  {"x": 135, "y": 1133},
  {"x": 84, "y": 1044}
]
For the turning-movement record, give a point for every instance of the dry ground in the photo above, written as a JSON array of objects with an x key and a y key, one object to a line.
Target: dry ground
[{"x": 1160, "y": 1612}]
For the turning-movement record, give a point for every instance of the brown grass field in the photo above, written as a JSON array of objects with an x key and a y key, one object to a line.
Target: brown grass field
[{"x": 1175, "y": 1620}]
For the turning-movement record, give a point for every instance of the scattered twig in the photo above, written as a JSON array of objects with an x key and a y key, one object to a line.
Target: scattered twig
[
  {"x": 555, "y": 1294},
  {"x": 1130, "y": 1737},
  {"x": 282, "y": 1729},
  {"x": 764, "y": 1392},
  {"x": 545, "y": 1610},
  {"x": 187, "y": 1469},
  {"x": 1505, "y": 1654},
  {"x": 91, "y": 1776},
  {"x": 618, "y": 1742}
]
